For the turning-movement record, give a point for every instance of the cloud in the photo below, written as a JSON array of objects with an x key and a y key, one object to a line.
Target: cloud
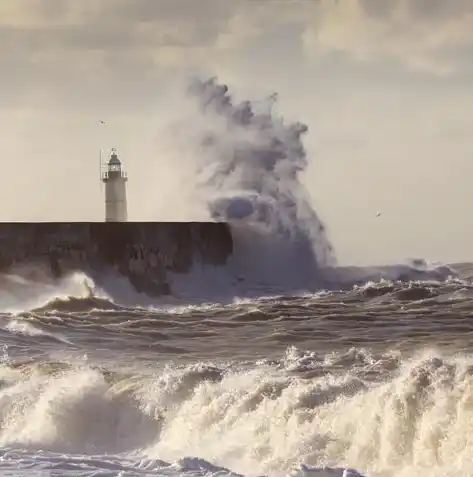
[
  {"x": 91, "y": 51},
  {"x": 434, "y": 36},
  {"x": 112, "y": 25},
  {"x": 139, "y": 26},
  {"x": 79, "y": 54}
]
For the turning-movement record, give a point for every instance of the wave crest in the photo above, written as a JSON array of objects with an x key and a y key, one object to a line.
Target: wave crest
[{"x": 381, "y": 413}]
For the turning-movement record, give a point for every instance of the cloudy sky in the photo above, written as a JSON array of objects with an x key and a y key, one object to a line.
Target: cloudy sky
[{"x": 385, "y": 87}]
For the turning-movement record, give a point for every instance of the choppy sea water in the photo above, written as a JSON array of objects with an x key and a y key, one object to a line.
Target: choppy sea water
[
  {"x": 377, "y": 377},
  {"x": 372, "y": 370}
]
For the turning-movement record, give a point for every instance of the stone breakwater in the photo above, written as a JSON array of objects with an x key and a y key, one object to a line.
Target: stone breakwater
[{"x": 144, "y": 252}]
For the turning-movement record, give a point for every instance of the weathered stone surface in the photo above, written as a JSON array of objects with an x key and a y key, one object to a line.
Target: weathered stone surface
[{"x": 145, "y": 252}]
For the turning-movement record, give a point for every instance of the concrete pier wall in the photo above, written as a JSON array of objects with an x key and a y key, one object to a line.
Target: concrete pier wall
[{"x": 145, "y": 252}]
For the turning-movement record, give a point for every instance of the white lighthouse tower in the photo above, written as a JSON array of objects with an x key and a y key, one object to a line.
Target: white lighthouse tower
[{"x": 115, "y": 180}]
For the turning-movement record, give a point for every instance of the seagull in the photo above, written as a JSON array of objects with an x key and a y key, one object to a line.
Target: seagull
[
  {"x": 102, "y": 122},
  {"x": 378, "y": 214}
]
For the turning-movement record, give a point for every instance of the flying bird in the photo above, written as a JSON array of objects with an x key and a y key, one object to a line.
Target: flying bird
[{"x": 378, "y": 214}]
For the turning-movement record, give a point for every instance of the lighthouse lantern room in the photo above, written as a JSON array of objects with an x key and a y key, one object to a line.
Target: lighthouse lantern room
[{"x": 115, "y": 180}]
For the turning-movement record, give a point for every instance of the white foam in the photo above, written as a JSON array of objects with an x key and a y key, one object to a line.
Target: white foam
[
  {"x": 258, "y": 420},
  {"x": 30, "y": 287}
]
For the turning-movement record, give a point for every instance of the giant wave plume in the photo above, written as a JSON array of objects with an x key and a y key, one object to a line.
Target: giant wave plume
[
  {"x": 255, "y": 175},
  {"x": 250, "y": 163}
]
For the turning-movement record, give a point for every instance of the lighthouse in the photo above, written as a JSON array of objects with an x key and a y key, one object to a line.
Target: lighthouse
[{"x": 115, "y": 180}]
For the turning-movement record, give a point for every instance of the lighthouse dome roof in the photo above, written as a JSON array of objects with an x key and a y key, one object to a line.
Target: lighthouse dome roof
[{"x": 114, "y": 161}]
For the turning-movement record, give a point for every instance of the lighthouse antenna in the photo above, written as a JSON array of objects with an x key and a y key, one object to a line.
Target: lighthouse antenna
[
  {"x": 100, "y": 168},
  {"x": 102, "y": 122}
]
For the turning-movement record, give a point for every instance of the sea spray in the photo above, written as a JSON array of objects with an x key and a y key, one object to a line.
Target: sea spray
[
  {"x": 248, "y": 162},
  {"x": 251, "y": 163}
]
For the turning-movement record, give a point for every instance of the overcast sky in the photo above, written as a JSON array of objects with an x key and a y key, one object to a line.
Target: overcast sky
[{"x": 385, "y": 87}]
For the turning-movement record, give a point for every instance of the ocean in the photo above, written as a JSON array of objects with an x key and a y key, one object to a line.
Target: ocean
[
  {"x": 377, "y": 377},
  {"x": 280, "y": 363}
]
